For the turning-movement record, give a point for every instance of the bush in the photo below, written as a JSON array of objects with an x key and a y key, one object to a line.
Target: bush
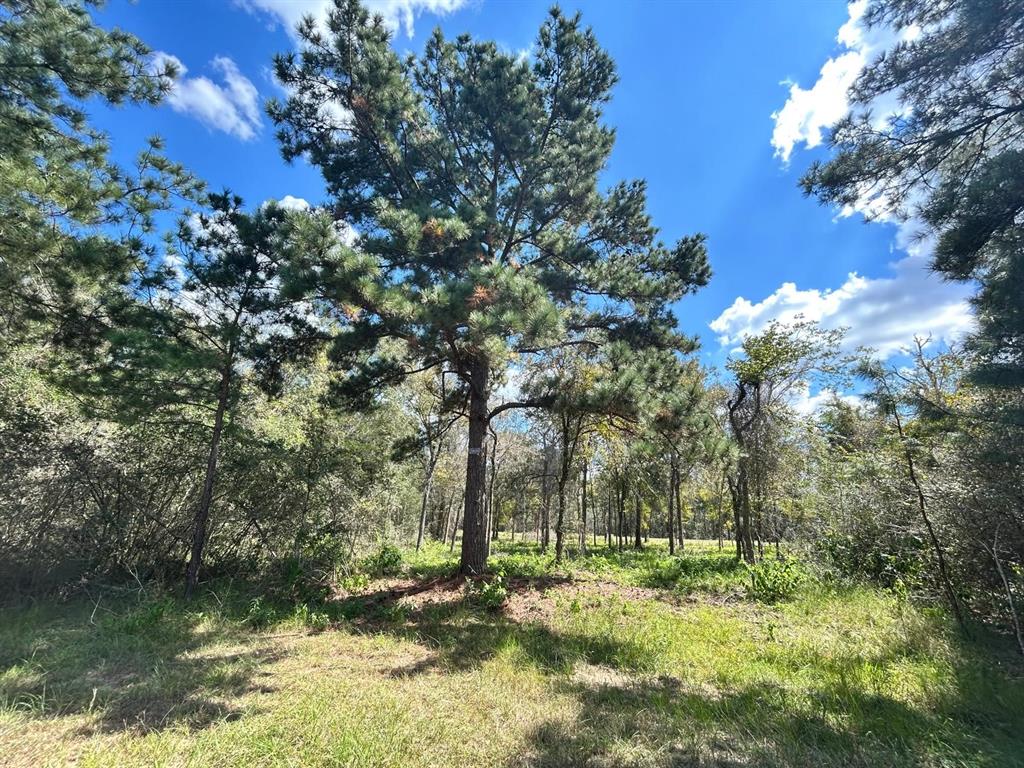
[
  {"x": 386, "y": 561},
  {"x": 259, "y": 615},
  {"x": 488, "y": 594},
  {"x": 894, "y": 562},
  {"x": 305, "y": 616},
  {"x": 776, "y": 578},
  {"x": 297, "y": 579},
  {"x": 354, "y": 583}
]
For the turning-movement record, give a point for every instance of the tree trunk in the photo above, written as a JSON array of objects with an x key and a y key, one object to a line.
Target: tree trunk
[
  {"x": 583, "y": 509},
  {"x": 608, "y": 520},
  {"x": 939, "y": 553},
  {"x": 1009, "y": 592},
  {"x": 474, "y": 533},
  {"x": 455, "y": 523},
  {"x": 671, "y": 506},
  {"x": 560, "y": 521},
  {"x": 680, "y": 530},
  {"x": 545, "y": 501},
  {"x": 638, "y": 542},
  {"x": 202, "y": 515},
  {"x": 423, "y": 505},
  {"x": 492, "y": 508}
]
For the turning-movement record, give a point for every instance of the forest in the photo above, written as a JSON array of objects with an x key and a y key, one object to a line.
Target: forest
[{"x": 433, "y": 473}]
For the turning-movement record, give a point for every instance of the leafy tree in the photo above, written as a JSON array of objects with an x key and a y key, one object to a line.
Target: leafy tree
[
  {"x": 894, "y": 398},
  {"x": 74, "y": 225},
  {"x": 775, "y": 365},
  {"x": 429, "y": 403},
  {"x": 471, "y": 176},
  {"x": 683, "y": 425}
]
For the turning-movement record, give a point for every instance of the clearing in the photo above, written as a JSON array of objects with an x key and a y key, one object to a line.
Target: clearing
[{"x": 616, "y": 659}]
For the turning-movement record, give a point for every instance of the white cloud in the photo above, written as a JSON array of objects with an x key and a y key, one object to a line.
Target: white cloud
[
  {"x": 398, "y": 14},
  {"x": 884, "y": 313},
  {"x": 804, "y": 403},
  {"x": 232, "y": 106},
  {"x": 291, "y": 203},
  {"x": 808, "y": 112}
]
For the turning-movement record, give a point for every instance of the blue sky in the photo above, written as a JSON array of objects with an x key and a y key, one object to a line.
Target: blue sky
[{"x": 719, "y": 106}]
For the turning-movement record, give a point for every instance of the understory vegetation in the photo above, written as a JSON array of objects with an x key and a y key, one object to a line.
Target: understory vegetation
[{"x": 631, "y": 659}]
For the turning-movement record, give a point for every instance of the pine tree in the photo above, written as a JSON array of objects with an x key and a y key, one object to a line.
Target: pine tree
[
  {"x": 471, "y": 176},
  {"x": 180, "y": 341},
  {"x": 952, "y": 155},
  {"x": 73, "y": 225}
]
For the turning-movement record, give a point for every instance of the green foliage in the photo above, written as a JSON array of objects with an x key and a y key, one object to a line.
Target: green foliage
[
  {"x": 895, "y": 563},
  {"x": 956, "y": 164},
  {"x": 385, "y": 561},
  {"x": 524, "y": 565},
  {"x": 76, "y": 226},
  {"x": 147, "y": 617},
  {"x": 298, "y": 579},
  {"x": 693, "y": 571},
  {"x": 307, "y": 616},
  {"x": 474, "y": 175},
  {"x": 490, "y": 592},
  {"x": 259, "y": 614},
  {"x": 354, "y": 583},
  {"x": 774, "y": 579}
]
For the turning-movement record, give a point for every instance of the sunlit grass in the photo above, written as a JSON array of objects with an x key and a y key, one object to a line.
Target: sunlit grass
[{"x": 616, "y": 668}]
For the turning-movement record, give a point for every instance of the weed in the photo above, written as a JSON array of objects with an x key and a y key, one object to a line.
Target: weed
[{"x": 776, "y": 578}]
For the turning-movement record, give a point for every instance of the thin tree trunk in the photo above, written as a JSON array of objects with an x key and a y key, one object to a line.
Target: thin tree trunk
[
  {"x": 621, "y": 511},
  {"x": 202, "y": 515},
  {"x": 425, "y": 502},
  {"x": 545, "y": 501},
  {"x": 637, "y": 538},
  {"x": 583, "y": 510},
  {"x": 608, "y": 519},
  {"x": 492, "y": 508},
  {"x": 671, "y": 506},
  {"x": 680, "y": 531},
  {"x": 939, "y": 553},
  {"x": 1009, "y": 592},
  {"x": 455, "y": 531}
]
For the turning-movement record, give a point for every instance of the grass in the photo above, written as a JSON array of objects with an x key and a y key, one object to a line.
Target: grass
[{"x": 631, "y": 659}]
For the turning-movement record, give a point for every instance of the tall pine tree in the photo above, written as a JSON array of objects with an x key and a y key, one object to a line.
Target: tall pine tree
[
  {"x": 472, "y": 178},
  {"x": 952, "y": 155}
]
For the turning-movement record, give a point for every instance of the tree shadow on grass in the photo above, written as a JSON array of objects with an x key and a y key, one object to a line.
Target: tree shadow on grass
[
  {"x": 144, "y": 667},
  {"x": 822, "y": 708},
  {"x": 662, "y": 722},
  {"x": 665, "y": 721},
  {"x": 464, "y": 636}
]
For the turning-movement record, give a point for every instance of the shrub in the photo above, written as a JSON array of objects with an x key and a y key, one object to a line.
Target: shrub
[
  {"x": 259, "y": 615},
  {"x": 894, "y": 562},
  {"x": 298, "y": 579},
  {"x": 386, "y": 561},
  {"x": 308, "y": 617},
  {"x": 488, "y": 594},
  {"x": 776, "y": 578},
  {"x": 354, "y": 583}
]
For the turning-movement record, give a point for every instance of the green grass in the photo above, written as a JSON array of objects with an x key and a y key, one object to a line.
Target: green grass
[{"x": 614, "y": 659}]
